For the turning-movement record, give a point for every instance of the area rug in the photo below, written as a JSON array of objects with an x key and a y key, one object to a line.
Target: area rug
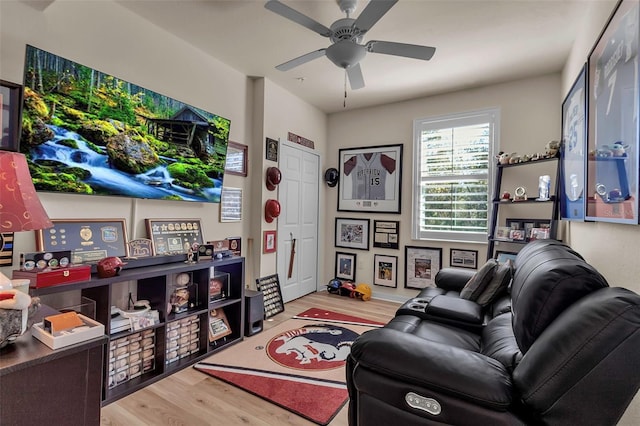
[{"x": 298, "y": 365}]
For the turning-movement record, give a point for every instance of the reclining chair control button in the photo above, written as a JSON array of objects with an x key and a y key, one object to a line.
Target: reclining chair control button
[{"x": 423, "y": 403}]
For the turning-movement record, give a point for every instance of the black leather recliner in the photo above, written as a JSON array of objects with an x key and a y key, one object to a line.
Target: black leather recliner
[{"x": 565, "y": 355}]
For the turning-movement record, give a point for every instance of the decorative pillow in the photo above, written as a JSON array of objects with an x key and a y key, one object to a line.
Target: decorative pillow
[
  {"x": 498, "y": 284},
  {"x": 479, "y": 281}
]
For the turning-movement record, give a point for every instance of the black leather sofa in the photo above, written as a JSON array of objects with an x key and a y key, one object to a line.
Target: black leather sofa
[{"x": 566, "y": 353}]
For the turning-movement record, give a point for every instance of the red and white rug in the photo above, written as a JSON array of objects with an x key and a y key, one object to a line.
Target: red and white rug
[{"x": 298, "y": 365}]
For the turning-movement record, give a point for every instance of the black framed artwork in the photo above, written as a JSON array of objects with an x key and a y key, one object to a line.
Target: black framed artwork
[
  {"x": 574, "y": 147},
  {"x": 370, "y": 179},
  {"x": 11, "y": 99},
  {"x": 613, "y": 136},
  {"x": 345, "y": 266}
]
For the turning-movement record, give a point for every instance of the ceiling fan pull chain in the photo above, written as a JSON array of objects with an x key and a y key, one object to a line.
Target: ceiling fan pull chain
[{"x": 344, "y": 103}]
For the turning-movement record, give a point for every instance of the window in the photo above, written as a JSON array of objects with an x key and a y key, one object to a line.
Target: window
[{"x": 452, "y": 175}]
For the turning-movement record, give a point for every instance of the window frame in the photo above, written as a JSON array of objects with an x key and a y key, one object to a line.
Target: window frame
[{"x": 491, "y": 115}]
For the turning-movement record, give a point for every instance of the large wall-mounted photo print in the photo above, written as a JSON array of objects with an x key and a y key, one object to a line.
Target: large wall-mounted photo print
[
  {"x": 370, "y": 179},
  {"x": 88, "y": 132}
]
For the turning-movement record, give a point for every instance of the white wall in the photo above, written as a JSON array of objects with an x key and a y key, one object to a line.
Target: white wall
[
  {"x": 530, "y": 117},
  {"x": 284, "y": 113},
  {"x": 110, "y": 38}
]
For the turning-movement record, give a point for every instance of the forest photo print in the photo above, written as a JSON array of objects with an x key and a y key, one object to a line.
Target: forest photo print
[{"x": 87, "y": 132}]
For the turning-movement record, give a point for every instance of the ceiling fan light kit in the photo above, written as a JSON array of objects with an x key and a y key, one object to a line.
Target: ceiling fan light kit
[{"x": 346, "y": 50}]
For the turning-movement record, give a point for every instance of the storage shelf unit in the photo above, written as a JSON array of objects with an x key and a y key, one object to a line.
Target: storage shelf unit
[
  {"x": 497, "y": 203},
  {"x": 186, "y": 331}
]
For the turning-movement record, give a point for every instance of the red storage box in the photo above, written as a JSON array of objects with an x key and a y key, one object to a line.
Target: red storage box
[{"x": 52, "y": 277}]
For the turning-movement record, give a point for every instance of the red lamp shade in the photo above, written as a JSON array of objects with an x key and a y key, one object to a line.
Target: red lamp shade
[{"x": 20, "y": 208}]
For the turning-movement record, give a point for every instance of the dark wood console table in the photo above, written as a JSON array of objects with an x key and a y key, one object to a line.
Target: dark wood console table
[{"x": 39, "y": 385}]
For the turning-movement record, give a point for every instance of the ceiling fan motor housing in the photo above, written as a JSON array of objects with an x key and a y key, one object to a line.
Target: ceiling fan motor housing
[{"x": 346, "y": 53}]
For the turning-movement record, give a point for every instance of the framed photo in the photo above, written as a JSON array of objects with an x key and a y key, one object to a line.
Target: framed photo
[
  {"x": 422, "y": 265},
  {"x": 528, "y": 225},
  {"x": 370, "y": 179},
  {"x": 6, "y": 248},
  {"x": 502, "y": 233},
  {"x": 173, "y": 236},
  {"x": 231, "y": 204},
  {"x": 89, "y": 240},
  {"x": 352, "y": 233},
  {"x": 503, "y": 256},
  {"x": 10, "y": 120},
  {"x": 574, "y": 147},
  {"x": 539, "y": 234},
  {"x": 140, "y": 247},
  {"x": 219, "y": 286},
  {"x": 271, "y": 149},
  {"x": 385, "y": 270},
  {"x": 464, "y": 258},
  {"x": 218, "y": 325},
  {"x": 236, "y": 163},
  {"x": 514, "y": 223},
  {"x": 517, "y": 235},
  {"x": 386, "y": 234},
  {"x": 613, "y": 125},
  {"x": 346, "y": 266},
  {"x": 269, "y": 242}
]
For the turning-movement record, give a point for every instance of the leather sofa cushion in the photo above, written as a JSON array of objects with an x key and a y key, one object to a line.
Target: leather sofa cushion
[
  {"x": 436, "y": 332},
  {"x": 586, "y": 358},
  {"x": 453, "y": 279},
  {"x": 545, "y": 283},
  {"x": 479, "y": 281},
  {"x": 498, "y": 342}
]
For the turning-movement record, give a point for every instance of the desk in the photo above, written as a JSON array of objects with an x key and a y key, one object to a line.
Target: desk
[{"x": 41, "y": 386}]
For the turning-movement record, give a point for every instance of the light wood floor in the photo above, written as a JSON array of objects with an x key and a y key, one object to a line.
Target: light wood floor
[{"x": 191, "y": 398}]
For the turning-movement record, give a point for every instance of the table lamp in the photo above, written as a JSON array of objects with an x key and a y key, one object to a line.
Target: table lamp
[{"x": 20, "y": 210}]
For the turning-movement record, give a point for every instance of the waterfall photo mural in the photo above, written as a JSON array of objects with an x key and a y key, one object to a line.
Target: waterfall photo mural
[{"x": 87, "y": 132}]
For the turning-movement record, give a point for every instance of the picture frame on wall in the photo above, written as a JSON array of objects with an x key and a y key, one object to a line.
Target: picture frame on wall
[
  {"x": 370, "y": 179},
  {"x": 236, "y": 162},
  {"x": 352, "y": 233},
  {"x": 463, "y": 258},
  {"x": 10, "y": 120},
  {"x": 613, "y": 136},
  {"x": 346, "y": 266},
  {"x": 271, "y": 149},
  {"x": 386, "y": 234},
  {"x": 269, "y": 242},
  {"x": 421, "y": 266},
  {"x": 231, "y": 204},
  {"x": 574, "y": 148},
  {"x": 385, "y": 270}
]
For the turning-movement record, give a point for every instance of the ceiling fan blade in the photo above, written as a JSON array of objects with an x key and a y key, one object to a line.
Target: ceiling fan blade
[
  {"x": 356, "y": 80},
  {"x": 401, "y": 49},
  {"x": 297, "y": 17},
  {"x": 372, "y": 14},
  {"x": 301, "y": 60}
]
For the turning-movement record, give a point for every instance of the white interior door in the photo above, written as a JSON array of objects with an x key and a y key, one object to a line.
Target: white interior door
[{"x": 298, "y": 221}]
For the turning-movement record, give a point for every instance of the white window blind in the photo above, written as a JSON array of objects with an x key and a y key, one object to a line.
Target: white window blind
[{"x": 452, "y": 174}]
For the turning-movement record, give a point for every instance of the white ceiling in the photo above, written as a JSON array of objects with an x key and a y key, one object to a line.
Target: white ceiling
[{"x": 478, "y": 42}]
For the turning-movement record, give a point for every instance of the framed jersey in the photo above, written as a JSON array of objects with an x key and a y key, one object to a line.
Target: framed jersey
[
  {"x": 613, "y": 124},
  {"x": 370, "y": 179}
]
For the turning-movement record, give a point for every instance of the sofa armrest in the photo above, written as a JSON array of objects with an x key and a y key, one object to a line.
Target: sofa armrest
[
  {"x": 455, "y": 309},
  {"x": 453, "y": 279},
  {"x": 454, "y": 371}
]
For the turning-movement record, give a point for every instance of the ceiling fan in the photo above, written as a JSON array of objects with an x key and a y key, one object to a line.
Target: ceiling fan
[{"x": 346, "y": 35}]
